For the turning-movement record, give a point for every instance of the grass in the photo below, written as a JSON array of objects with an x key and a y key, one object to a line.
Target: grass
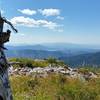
[
  {"x": 54, "y": 87},
  {"x": 87, "y": 69},
  {"x": 23, "y": 62}
]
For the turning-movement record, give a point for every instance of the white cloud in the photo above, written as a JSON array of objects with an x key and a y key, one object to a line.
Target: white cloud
[
  {"x": 49, "y": 12},
  {"x": 27, "y": 11},
  {"x": 59, "y": 17},
  {"x": 60, "y": 30},
  {"x": 22, "y": 21},
  {"x": 22, "y": 34},
  {"x": 29, "y": 22},
  {"x": 2, "y": 12}
]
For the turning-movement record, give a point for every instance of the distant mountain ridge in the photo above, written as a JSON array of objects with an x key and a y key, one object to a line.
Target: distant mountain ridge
[
  {"x": 67, "y": 48},
  {"x": 32, "y": 47},
  {"x": 56, "y": 46},
  {"x": 73, "y": 55},
  {"x": 89, "y": 59},
  {"x": 37, "y": 54}
]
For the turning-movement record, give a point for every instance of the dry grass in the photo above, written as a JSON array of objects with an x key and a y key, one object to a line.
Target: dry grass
[{"x": 54, "y": 87}]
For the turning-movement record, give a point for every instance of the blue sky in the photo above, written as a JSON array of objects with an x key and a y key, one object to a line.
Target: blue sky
[{"x": 43, "y": 21}]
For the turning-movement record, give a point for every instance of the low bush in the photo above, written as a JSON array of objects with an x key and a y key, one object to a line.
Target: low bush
[{"x": 26, "y": 62}]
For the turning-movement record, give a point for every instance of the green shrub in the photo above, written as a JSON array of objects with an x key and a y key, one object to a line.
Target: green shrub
[
  {"x": 23, "y": 62},
  {"x": 54, "y": 61}
]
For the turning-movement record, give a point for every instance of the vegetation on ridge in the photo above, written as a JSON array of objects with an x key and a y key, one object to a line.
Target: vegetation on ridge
[{"x": 26, "y": 62}]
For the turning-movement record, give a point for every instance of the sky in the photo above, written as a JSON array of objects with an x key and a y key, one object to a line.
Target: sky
[{"x": 48, "y": 21}]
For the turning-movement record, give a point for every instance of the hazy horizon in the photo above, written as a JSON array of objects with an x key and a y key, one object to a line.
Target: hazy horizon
[{"x": 60, "y": 44}]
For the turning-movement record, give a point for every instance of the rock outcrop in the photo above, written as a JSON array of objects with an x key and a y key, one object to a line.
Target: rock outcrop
[{"x": 43, "y": 72}]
